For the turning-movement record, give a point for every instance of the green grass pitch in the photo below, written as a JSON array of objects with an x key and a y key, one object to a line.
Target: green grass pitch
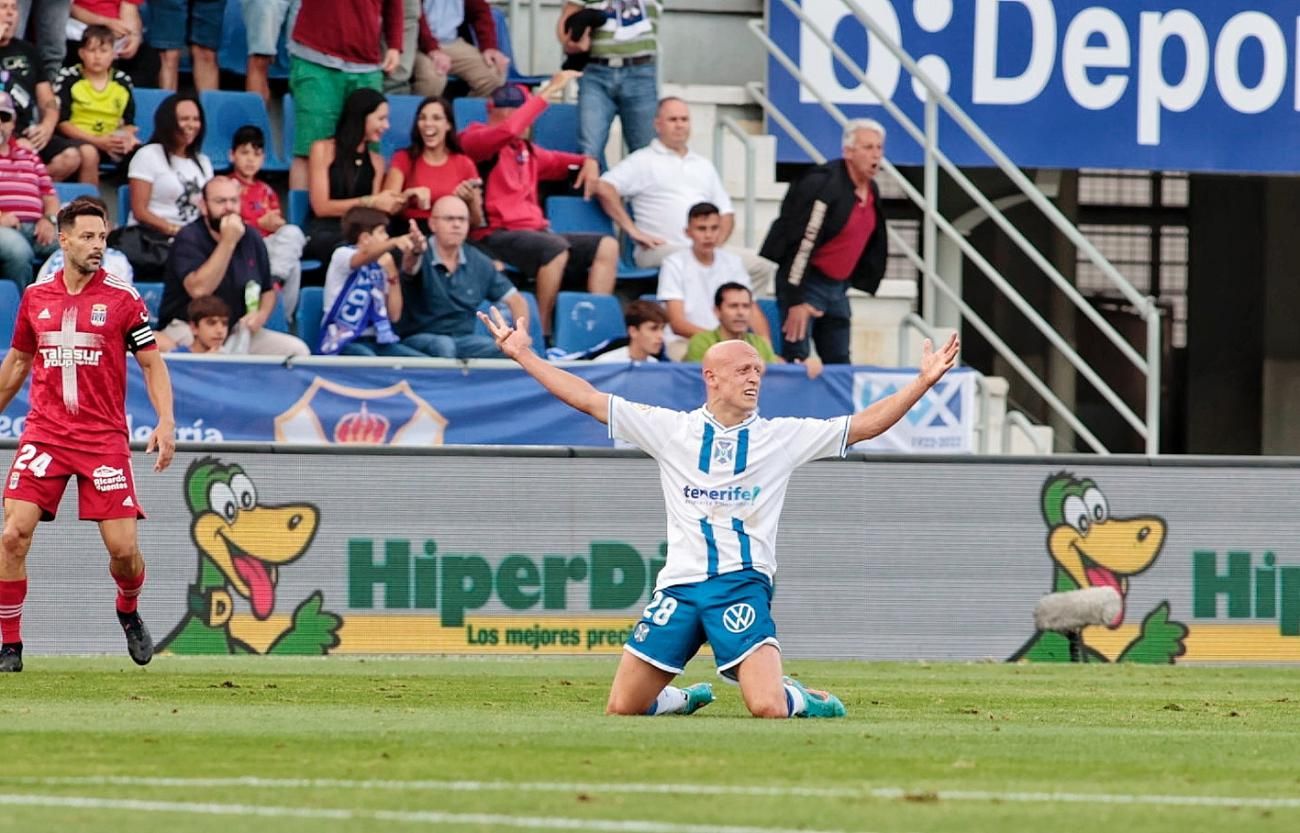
[{"x": 343, "y": 744}]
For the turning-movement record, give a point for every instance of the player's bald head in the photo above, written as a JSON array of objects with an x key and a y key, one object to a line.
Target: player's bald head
[{"x": 727, "y": 352}]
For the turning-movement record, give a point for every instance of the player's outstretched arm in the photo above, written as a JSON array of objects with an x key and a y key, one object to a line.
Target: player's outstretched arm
[
  {"x": 879, "y": 417},
  {"x": 158, "y": 383},
  {"x": 13, "y": 373},
  {"x": 574, "y": 391}
]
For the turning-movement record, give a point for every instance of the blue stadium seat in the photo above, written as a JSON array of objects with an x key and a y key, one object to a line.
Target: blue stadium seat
[
  {"x": 773, "y": 314},
  {"x": 574, "y": 214},
  {"x": 557, "y": 128},
  {"x": 401, "y": 115},
  {"x": 534, "y": 320},
  {"x": 288, "y": 123},
  {"x": 233, "y": 54},
  {"x": 151, "y": 294},
  {"x": 227, "y": 111},
  {"x": 9, "y": 298},
  {"x": 278, "y": 321},
  {"x": 123, "y": 203},
  {"x": 469, "y": 110},
  {"x": 513, "y": 75},
  {"x": 69, "y": 191},
  {"x": 583, "y": 320},
  {"x": 298, "y": 210},
  {"x": 299, "y": 207},
  {"x": 146, "y": 101},
  {"x": 311, "y": 303}
]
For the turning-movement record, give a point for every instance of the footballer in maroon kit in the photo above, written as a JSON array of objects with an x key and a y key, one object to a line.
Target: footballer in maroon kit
[{"x": 72, "y": 335}]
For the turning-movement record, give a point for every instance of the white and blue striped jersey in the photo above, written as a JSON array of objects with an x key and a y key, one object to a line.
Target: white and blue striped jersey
[{"x": 724, "y": 488}]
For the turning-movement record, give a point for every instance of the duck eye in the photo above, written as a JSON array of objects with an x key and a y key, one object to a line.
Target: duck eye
[
  {"x": 222, "y": 500},
  {"x": 1096, "y": 503},
  {"x": 1077, "y": 514},
  {"x": 245, "y": 494}
]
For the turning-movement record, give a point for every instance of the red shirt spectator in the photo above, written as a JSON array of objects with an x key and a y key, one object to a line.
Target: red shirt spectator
[
  {"x": 511, "y": 187},
  {"x": 256, "y": 200},
  {"x": 350, "y": 29}
]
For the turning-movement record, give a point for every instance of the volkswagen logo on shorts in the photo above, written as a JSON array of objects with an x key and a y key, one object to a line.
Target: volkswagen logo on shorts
[{"x": 738, "y": 617}]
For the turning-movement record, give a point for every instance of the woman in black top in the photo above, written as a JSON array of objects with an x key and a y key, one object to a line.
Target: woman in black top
[{"x": 344, "y": 171}]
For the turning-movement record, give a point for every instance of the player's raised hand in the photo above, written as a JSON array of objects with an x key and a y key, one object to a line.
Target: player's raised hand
[
  {"x": 162, "y": 440},
  {"x": 513, "y": 341},
  {"x": 936, "y": 363}
]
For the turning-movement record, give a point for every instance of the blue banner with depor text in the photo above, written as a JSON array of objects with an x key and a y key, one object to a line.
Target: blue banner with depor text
[{"x": 1194, "y": 85}]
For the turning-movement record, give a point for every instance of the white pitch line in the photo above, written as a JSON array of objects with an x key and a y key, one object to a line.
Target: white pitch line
[
  {"x": 410, "y": 817},
  {"x": 1027, "y": 797}
]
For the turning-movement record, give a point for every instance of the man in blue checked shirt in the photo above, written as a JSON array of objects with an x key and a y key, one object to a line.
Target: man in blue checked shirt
[{"x": 724, "y": 471}]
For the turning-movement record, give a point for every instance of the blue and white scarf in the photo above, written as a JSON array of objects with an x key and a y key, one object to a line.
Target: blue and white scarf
[{"x": 361, "y": 304}]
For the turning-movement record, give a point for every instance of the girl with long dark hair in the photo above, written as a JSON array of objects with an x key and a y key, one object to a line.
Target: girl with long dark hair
[{"x": 343, "y": 171}]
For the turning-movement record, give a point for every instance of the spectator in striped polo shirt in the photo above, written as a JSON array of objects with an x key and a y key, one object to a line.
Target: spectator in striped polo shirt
[{"x": 28, "y": 204}]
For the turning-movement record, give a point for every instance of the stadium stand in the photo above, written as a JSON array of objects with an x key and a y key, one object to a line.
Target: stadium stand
[
  {"x": 69, "y": 191},
  {"x": 9, "y": 298},
  {"x": 146, "y": 101},
  {"x": 401, "y": 115},
  {"x": 227, "y": 111},
  {"x": 233, "y": 54},
  {"x": 773, "y": 313},
  {"x": 513, "y": 75},
  {"x": 583, "y": 320},
  {"x": 557, "y": 128},
  {"x": 469, "y": 110},
  {"x": 311, "y": 302},
  {"x": 575, "y": 214}
]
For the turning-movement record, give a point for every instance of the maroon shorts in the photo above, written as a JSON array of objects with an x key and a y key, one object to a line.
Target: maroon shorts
[{"x": 105, "y": 486}]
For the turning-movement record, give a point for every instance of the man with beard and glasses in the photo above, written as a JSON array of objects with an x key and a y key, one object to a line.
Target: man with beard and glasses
[
  {"x": 217, "y": 255},
  {"x": 73, "y": 331}
]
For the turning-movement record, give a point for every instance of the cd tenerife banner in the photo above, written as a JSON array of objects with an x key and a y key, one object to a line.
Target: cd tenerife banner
[{"x": 1195, "y": 85}]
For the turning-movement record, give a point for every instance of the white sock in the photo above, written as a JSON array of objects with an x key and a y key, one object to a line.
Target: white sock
[
  {"x": 670, "y": 701},
  {"x": 796, "y": 700}
]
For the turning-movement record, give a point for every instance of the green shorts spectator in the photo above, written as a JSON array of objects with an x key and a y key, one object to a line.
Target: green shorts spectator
[{"x": 326, "y": 89}]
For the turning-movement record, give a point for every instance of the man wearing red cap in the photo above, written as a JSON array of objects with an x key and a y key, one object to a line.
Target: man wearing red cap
[{"x": 517, "y": 231}]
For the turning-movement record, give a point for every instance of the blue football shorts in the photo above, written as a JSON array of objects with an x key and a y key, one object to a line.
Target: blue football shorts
[{"x": 732, "y": 612}]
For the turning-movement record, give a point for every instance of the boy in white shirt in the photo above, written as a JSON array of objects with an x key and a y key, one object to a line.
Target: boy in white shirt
[
  {"x": 363, "y": 292},
  {"x": 645, "y": 334},
  {"x": 688, "y": 280}
]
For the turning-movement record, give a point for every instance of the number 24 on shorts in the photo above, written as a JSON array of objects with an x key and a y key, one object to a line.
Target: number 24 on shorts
[
  {"x": 660, "y": 609},
  {"x": 29, "y": 460}
]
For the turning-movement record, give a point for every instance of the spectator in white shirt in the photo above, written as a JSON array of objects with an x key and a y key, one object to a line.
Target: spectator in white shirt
[
  {"x": 688, "y": 279},
  {"x": 663, "y": 181}
]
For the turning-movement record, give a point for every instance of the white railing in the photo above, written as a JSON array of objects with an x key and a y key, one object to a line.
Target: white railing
[{"x": 1147, "y": 362}]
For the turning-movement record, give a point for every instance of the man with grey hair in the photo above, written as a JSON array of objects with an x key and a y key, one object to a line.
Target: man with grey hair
[{"x": 829, "y": 236}]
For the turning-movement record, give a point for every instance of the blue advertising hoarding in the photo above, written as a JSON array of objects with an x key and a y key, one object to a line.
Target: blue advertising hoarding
[{"x": 1195, "y": 85}]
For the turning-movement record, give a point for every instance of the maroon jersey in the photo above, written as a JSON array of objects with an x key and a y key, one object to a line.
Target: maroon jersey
[{"x": 78, "y": 345}]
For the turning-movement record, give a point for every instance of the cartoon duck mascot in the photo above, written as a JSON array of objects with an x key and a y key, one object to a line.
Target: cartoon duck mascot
[
  {"x": 242, "y": 545},
  {"x": 1090, "y": 548}
]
